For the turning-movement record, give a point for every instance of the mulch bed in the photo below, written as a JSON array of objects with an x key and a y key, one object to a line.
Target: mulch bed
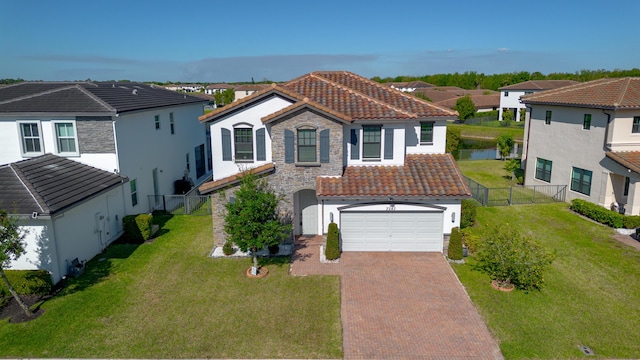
[{"x": 14, "y": 312}]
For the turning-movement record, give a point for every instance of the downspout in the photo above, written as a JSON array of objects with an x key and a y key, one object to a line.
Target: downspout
[{"x": 526, "y": 149}]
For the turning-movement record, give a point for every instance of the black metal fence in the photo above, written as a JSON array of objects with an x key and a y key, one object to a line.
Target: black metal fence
[
  {"x": 180, "y": 204},
  {"x": 532, "y": 194}
]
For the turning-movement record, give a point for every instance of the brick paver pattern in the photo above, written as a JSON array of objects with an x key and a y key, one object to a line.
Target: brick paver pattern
[{"x": 401, "y": 305}]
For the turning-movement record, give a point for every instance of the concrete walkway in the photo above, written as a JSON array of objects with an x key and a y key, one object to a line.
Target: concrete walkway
[{"x": 401, "y": 305}]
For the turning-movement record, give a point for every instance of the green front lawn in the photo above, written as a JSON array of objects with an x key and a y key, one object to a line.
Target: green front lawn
[
  {"x": 167, "y": 299},
  {"x": 487, "y": 132},
  {"x": 591, "y": 297},
  {"x": 490, "y": 173}
]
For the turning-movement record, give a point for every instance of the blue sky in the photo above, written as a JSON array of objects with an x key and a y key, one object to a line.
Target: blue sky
[{"x": 229, "y": 41}]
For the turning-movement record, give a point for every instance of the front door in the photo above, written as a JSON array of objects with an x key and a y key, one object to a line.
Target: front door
[{"x": 308, "y": 212}]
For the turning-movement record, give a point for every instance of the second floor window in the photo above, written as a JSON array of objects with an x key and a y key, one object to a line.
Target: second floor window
[
  {"x": 156, "y": 120},
  {"x": 65, "y": 137},
  {"x": 171, "y": 125},
  {"x": 426, "y": 132},
  {"x": 306, "y": 145},
  {"x": 243, "y": 140},
  {"x": 134, "y": 192},
  {"x": 636, "y": 125},
  {"x": 586, "y": 124},
  {"x": 371, "y": 141},
  {"x": 31, "y": 143}
]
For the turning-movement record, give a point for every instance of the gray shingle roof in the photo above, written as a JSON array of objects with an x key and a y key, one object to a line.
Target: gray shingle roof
[
  {"x": 47, "y": 184},
  {"x": 97, "y": 97}
]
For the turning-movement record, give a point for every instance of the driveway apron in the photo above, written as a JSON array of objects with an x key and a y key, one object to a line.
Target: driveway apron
[{"x": 401, "y": 305}]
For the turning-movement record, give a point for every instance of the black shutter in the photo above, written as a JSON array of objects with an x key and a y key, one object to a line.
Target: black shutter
[
  {"x": 388, "y": 143},
  {"x": 355, "y": 149},
  {"x": 324, "y": 146},
  {"x": 260, "y": 145},
  {"x": 226, "y": 145},
  {"x": 288, "y": 147}
]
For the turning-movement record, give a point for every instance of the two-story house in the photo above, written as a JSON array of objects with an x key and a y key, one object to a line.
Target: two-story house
[
  {"x": 587, "y": 135},
  {"x": 344, "y": 149},
  {"x": 510, "y": 95},
  {"x": 147, "y": 133}
]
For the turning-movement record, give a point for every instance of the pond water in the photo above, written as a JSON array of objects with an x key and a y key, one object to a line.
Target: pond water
[{"x": 482, "y": 150}]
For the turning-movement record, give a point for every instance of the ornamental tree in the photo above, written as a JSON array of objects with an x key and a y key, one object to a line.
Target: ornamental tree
[
  {"x": 11, "y": 247},
  {"x": 252, "y": 220},
  {"x": 465, "y": 107},
  {"x": 505, "y": 144}
]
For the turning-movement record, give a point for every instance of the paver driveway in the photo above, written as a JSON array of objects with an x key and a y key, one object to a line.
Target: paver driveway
[{"x": 401, "y": 306}]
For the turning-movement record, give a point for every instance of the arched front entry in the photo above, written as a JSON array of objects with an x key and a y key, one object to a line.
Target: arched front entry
[{"x": 306, "y": 212}]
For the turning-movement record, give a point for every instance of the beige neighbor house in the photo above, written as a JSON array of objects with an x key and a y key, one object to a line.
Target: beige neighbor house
[
  {"x": 342, "y": 148},
  {"x": 587, "y": 136}
]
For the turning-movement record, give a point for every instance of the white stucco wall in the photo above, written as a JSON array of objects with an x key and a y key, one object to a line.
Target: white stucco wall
[
  {"x": 10, "y": 137},
  {"x": 567, "y": 145},
  {"x": 141, "y": 148},
  {"x": 621, "y": 137},
  {"x": 248, "y": 117},
  {"x": 451, "y": 207},
  {"x": 77, "y": 232},
  {"x": 511, "y": 101}
]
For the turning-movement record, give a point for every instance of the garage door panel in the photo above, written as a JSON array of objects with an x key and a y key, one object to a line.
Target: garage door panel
[{"x": 391, "y": 231}]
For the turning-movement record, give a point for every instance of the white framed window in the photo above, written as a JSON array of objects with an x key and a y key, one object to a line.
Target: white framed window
[
  {"x": 371, "y": 141},
  {"x": 66, "y": 137},
  {"x": 134, "y": 192},
  {"x": 30, "y": 138}
]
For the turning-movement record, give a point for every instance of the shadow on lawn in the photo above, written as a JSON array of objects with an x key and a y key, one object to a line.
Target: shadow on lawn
[{"x": 278, "y": 261}]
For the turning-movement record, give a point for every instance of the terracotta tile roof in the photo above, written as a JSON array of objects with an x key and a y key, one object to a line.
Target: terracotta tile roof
[
  {"x": 361, "y": 98},
  {"x": 539, "y": 85},
  {"x": 619, "y": 93},
  {"x": 422, "y": 175},
  {"x": 233, "y": 179},
  {"x": 628, "y": 159},
  {"x": 480, "y": 101},
  {"x": 410, "y": 84},
  {"x": 302, "y": 104}
]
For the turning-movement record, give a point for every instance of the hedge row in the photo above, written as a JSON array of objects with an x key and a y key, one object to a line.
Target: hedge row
[
  {"x": 137, "y": 228},
  {"x": 27, "y": 282},
  {"x": 604, "y": 216},
  {"x": 454, "y": 251},
  {"x": 332, "y": 250}
]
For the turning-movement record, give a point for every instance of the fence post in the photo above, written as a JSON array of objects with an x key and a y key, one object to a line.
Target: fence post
[
  {"x": 486, "y": 196},
  {"x": 510, "y": 195}
]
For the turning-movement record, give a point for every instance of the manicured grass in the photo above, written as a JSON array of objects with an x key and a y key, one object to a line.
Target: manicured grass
[
  {"x": 490, "y": 173},
  {"x": 487, "y": 132},
  {"x": 591, "y": 297},
  {"x": 167, "y": 299}
]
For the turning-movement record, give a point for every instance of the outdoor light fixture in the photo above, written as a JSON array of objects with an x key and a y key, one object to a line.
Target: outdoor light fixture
[
  {"x": 331, "y": 216},
  {"x": 453, "y": 217}
]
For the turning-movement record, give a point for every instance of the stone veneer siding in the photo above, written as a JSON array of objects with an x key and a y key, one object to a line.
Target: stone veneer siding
[
  {"x": 289, "y": 178},
  {"x": 95, "y": 135}
]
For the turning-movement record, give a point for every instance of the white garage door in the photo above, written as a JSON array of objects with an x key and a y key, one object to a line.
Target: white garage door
[{"x": 391, "y": 231}]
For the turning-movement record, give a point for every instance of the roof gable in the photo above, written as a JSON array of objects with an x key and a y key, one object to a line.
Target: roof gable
[
  {"x": 539, "y": 85},
  {"x": 618, "y": 93},
  {"x": 49, "y": 183}
]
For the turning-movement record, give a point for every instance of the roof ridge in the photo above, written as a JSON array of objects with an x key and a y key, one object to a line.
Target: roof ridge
[
  {"x": 32, "y": 95},
  {"x": 568, "y": 88},
  {"x": 95, "y": 97},
  {"x": 623, "y": 91},
  {"x": 355, "y": 92},
  {"x": 21, "y": 177}
]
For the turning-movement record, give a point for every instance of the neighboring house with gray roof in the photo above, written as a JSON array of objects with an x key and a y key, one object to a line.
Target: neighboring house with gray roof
[
  {"x": 71, "y": 210},
  {"x": 145, "y": 132},
  {"x": 510, "y": 95},
  {"x": 587, "y": 136},
  {"x": 342, "y": 148}
]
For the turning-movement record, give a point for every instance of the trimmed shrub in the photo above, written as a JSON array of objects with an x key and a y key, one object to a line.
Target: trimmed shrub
[
  {"x": 631, "y": 222},
  {"x": 227, "y": 248},
  {"x": 470, "y": 240},
  {"x": 468, "y": 216},
  {"x": 597, "y": 213},
  {"x": 454, "y": 251},
  {"x": 511, "y": 258},
  {"x": 332, "y": 250},
  {"x": 137, "y": 228},
  {"x": 27, "y": 282}
]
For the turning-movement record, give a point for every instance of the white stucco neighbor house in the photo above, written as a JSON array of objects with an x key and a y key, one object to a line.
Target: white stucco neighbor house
[
  {"x": 510, "y": 95},
  {"x": 587, "y": 136},
  {"x": 147, "y": 133},
  {"x": 346, "y": 149},
  {"x": 70, "y": 210}
]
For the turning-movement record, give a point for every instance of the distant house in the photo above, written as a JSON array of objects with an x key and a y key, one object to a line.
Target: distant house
[
  {"x": 71, "y": 210},
  {"x": 214, "y": 88},
  {"x": 410, "y": 86},
  {"x": 510, "y": 95},
  {"x": 587, "y": 136},
  {"x": 245, "y": 90},
  {"x": 185, "y": 87},
  {"x": 483, "y": 102},
  {"x": 344, "y": 149},
  {"x": 147, "y": 133}
]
